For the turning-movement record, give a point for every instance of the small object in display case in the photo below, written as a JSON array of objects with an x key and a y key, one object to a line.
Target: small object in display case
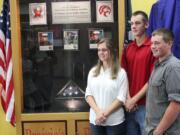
[
  {"x": 37, "y": 13},
  {"x": 72, "y": 98},
  {"x": 104, "y": 11},
  {"x": 94, "y": 37},
  {"x": 45, "y": 40},
  {"x": 71, "y": 39}
]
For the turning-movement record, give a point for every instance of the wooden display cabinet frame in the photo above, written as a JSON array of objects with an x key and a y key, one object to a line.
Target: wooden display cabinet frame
[{"x": 18, "y": 80}]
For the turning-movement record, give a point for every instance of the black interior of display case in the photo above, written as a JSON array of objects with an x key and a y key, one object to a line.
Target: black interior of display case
[{"x": 46, "y": 73}]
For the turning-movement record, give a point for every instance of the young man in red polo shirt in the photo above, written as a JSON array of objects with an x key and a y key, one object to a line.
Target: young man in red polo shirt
[{"x": 137, "y": 60}]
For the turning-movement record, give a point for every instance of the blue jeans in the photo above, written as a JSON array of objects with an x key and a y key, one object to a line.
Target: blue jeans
[
  {"x": 109, "y": 130},
  {"x": 135, "y": 121}
]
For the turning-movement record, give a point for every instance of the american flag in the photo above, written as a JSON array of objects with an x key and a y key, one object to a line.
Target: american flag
[{"x": 6, "y": 74}]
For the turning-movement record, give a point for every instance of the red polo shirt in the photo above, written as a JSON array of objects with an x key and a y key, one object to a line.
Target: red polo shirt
[{"x": 138, "y": 62}]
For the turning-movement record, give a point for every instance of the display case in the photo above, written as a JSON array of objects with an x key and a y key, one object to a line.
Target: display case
[{"x": 54, "y": 45}]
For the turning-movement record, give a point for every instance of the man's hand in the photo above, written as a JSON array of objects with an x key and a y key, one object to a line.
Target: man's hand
[
  {"x": 157, "y": 132},
  {"x": 130, "y": 105}
]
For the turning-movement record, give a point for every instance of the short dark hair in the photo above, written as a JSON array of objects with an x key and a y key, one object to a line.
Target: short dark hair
[
  {"x": 139, "y": 12},
  {"x": 166, "y": 34}
]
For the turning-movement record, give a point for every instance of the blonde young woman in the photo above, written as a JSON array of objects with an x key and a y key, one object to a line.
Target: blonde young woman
[{"x": 106, "y": 92}]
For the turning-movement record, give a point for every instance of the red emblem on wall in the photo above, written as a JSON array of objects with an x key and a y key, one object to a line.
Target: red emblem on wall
[{"x": 104, "y": 10}]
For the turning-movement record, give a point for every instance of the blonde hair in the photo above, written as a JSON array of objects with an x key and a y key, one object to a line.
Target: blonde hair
[{"x": 114, "y": 63}]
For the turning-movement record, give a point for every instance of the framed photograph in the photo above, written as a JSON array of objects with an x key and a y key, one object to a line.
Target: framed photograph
[
  {"x": 37, "y": 13},
  {"x": 94, "y": 37},
  {"x": 104, "y": 11},
  {"x": 71, "y": 39},
  {"x": 45, "y": 40}
]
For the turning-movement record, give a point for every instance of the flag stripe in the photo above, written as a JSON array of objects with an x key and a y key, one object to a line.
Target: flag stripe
[
  {"x": 8, "y": 51},
  {"x": 9, "y": 91},
  {"x": 13, "y": 116},
  {"x": 2, "y": 51},
  {"x": 10, "y": 108},
  {"x": 3, "y": 104},
  {"x": 2, "y": 37},
  {"x": 2, "y": 63}
]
